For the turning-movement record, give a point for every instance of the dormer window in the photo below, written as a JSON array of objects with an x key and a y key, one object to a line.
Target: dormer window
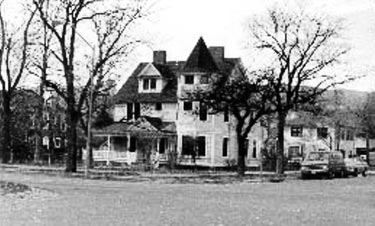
[
  {"x": 189, "y": 79},
  {"x": 149, "y": 83}
]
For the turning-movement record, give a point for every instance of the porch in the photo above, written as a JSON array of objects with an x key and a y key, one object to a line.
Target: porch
[{"x": 137, "y": 141}]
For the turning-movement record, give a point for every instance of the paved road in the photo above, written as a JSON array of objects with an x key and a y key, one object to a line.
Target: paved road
[{"x": 94, "y": 202}]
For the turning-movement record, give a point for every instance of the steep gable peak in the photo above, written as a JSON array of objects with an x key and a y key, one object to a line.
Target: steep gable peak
[
  {"x": 149, "y": 71},
  {"x": 200, "y": 59}
]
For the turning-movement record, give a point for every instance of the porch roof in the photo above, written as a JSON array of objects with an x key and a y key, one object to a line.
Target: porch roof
[{"x": 142, "y": 126}]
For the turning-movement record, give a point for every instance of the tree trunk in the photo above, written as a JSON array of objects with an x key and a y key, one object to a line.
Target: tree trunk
[
  {"x": 280, "y": 143},
  {"x": 39, "y": 128},
  {"x": 72, "y": 121},
  {"x": 71, "y": 158},
  {"x": 241, "y": 151},
  {"x": 7, "y": 116}
]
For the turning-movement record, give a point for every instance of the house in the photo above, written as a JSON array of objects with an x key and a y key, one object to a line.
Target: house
[
  {"x": 305, "y": 132},
  {"x": 152, "y": 105}
]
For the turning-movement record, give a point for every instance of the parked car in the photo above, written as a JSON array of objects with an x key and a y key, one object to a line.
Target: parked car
[
  {"x": 327, "y": 164},
  {"x": 355, "y": 166}
]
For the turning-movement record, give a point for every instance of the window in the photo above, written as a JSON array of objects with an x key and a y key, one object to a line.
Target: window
[
  {"x": 153, "y": 83},
  {"x": 202, "y": 112},
  {"x": 349, "y": 134},
  {"x": 226, "y": 115},
  {"x": 322, "y": 132},
  {"x": 296, "y": 131},
  {"x": 342, "y": 134},
  {"x": 129, "y": 111},
  {"x": 225, "y": 146},
  {"x": 133, "y": 144},
  {"x": 188, "y": 106},
  {"x": 187, "y": 145},
  {"x": 191, "y": 146},
  {"x": 254, "y": 149},
  {"x": 137, "y": 110},
  {"x": 57, "y": 142},
  {"x": 119, "y": 143},
  {"x": 63, "y": 126},
  {"x": 146, "y": 83},
  {"x": 189, "y": 79},
  {"x": 163, "y": 145},
  {"x": 158, "y": 106},
  {"x": 294, "y": 152},
  {"x": 201, "y": 145},
  {"x": 149, "y": 83}
]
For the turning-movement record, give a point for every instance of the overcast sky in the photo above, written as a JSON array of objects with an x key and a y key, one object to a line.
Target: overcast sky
[{"x": 177, "y": 24}]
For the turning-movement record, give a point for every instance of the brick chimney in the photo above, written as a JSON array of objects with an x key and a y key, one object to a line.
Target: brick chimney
[
  {"x": 160, "y": 57},
  {"x": 217, "y": 52}
]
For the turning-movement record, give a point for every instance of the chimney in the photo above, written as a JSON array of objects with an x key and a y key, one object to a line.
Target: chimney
[
  {"x": 217, "y": 52},
  {"x": 160, "y": 57}
]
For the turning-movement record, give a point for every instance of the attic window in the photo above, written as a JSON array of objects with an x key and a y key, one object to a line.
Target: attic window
[
  {"x": 149, "y": 83},
  {"x": 189, "y": 79}
]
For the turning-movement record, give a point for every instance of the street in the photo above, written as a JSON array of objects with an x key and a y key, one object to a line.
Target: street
[{"x": 73, "y": 201}]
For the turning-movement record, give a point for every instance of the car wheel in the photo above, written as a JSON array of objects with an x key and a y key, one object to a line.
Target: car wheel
[
  {"x": 364, "y": 173},
  {"x": 304, "y": 176},
  {"x": 330, "y": 175},
  {"x": 355, "y": 174}
]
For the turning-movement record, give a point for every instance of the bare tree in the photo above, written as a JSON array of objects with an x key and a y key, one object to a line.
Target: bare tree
[
  {"x": 14, "y": 59},
  {"x": 301, "y": 48},
  {"x": 246, "y": 96},
  {"x": 112, "y": 24}
]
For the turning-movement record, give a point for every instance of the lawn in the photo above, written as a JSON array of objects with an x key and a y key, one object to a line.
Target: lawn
[{"x": 72, "y": 201}]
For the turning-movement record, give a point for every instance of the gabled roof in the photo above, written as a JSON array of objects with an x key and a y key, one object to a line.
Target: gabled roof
[
  {"x": 129, "y": 91},
  {"x": 150, "y": 70},
  {"x": 307, "y": 119},
  {"x": 200, "y": 59}
]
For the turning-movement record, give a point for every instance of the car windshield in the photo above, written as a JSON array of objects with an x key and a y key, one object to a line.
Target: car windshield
[{"x": 317, "y": 156}]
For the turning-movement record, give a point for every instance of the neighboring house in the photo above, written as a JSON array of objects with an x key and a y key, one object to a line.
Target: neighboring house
[
  {"x": 152, "y": 103},
  {"x": 305, "y": 132},
  {"x": 54, "y": 128}
]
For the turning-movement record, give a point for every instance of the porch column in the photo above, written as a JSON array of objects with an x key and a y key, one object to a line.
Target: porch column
[{"x": 109, "y": 149}]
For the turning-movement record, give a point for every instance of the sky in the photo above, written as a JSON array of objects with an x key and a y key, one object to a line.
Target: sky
[{"x": 176, "y": 25}]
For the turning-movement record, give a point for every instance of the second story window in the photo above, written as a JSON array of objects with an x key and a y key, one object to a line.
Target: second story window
[
  {"x": 188, "y": 106},
  {"x": 226, "y": 115},
  {"x": 149, "y": 83},
  {"x": 296, "y": 131},
  {"x": 322, "y": 132},
  {"x": 189, "y": 79},
  {"x": 202, "y": 112}
]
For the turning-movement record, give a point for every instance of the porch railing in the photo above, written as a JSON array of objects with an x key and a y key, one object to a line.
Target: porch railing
[{"x": 114, "y": 156}]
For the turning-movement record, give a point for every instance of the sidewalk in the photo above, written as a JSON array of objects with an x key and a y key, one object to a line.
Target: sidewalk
[{"x": 140, "y": 176}]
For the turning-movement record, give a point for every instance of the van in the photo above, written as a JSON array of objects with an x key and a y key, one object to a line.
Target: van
[{"x": 326, "y": 164}]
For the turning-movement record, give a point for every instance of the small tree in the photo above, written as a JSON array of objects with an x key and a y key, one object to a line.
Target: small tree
[
  {"x": 245, "y": 96},
  {"x": 300, "y": 47}
]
